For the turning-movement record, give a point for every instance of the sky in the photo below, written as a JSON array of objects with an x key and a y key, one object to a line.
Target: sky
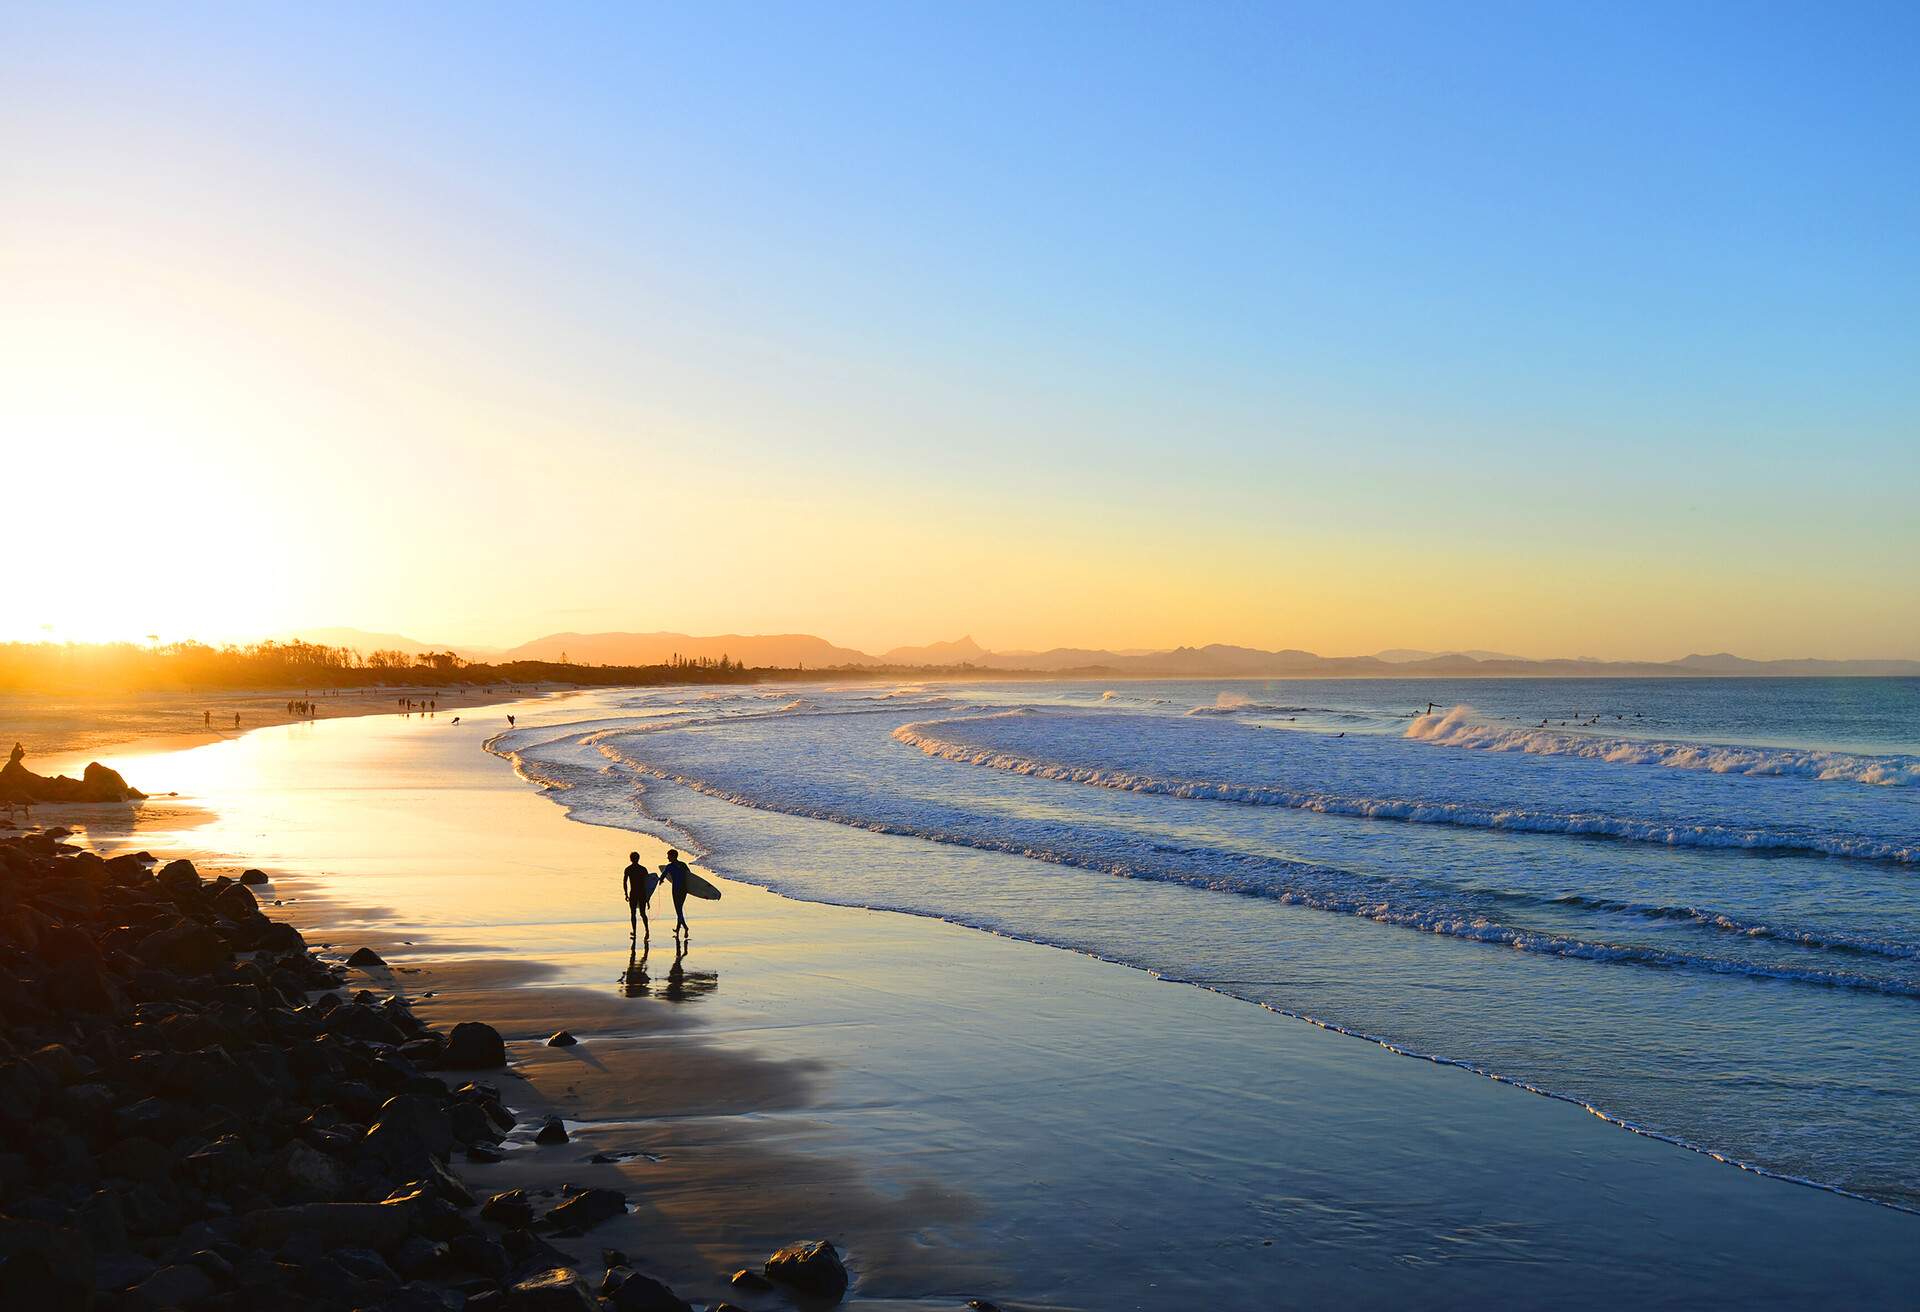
[{"x": 1550, "y": 328}]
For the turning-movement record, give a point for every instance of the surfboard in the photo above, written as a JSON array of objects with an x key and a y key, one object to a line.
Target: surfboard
[{"x": 698, "y": 887}]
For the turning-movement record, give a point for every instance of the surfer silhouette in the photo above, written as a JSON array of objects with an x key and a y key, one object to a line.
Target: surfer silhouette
[
  {"x": 637, "y": 883},
  {"x": 675, "y": 872}
]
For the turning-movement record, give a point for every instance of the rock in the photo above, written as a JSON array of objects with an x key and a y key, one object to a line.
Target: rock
[
  {"x": 530, "y": 1253},
  {"x": 140, "y": 1159},
  {"x": 559, "y": 1290},
  {"x": 484, "y": 1155},
  {"x": 254, "y": 877},
  {"x": 104, "y": 785},
  {"x": 587, "y": 1209},
  {"x": 474, "y": 1046},
  {"x": 627, "y": 1290},
  {"x": 751, "y": 1281},
  {"x": 213, "y": 1264},
  {"x": 419, "y": 1256},
  {"x": 43, "y": 1265},
  {"x": 174, "y": 1286},
  {"x": 981, "y": 1305},
  {"x": 178, "y": 879},
  {"x": 364, "y": 1264},
  {"x": 478, "y": 1254},
  {"x": 419, "y": 1297},
  {"x": 812, "y": 1268},
  {"x": 358, "y": 1225},
  {"x": 366, "y": 959},
  {"x": 553, "y": 1132},
  {"x": 236, "y": 903},
  {"x": 116, "y": 1271},
  {"x": 510, "y": 1209},
  {"x": 356, "y": 1020},
  {"x": 561, "y": 1039},
  {"x": 96, "y": 783},
  {"x": 471, "y": 1124},
  {"x": 187, "y": 947},
  {"x": 411, "y": 1128},
  {"x": 307, "y": 1175}
]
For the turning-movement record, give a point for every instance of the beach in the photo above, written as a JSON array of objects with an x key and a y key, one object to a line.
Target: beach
[
  {"x": 964, "y": 1115},
  {"x": 62, "y": 732}
]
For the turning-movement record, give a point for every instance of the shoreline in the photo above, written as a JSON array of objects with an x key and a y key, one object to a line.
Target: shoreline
[
  {"x": 63, "y": 732},
  {"x": 800, "y": 973}
]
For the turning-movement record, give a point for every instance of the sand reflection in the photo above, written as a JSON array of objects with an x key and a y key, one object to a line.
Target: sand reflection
[{"x": 678, "y": 984}]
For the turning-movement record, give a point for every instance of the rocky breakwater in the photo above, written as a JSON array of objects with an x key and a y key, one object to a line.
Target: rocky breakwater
[{"x": 195, "y": 1113}]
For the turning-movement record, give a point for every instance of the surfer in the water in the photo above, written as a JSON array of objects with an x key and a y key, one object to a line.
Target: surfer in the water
[
  {"x": 675, "y": 872},
  {"x": 638, "y": 886}
]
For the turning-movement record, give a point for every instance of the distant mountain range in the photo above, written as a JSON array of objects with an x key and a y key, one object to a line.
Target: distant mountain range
[{"x": 788, "y": 650}]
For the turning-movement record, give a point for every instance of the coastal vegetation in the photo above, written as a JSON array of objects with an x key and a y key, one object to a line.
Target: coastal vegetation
[
  {"x": 131, "y": 667},
  {"x": 125, "y": 667}
]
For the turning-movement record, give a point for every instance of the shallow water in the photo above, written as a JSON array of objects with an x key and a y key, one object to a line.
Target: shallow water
[{"x": 1688, "y": 904}]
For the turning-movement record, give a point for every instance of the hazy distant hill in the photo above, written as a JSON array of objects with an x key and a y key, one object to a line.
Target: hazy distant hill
[
  {"x": 961, "y": 651},
  {"x": 1216, "y": 660},
  {"x": 784, "y": 650},
  {"x": 1726, "y": 663},
  {"x": 1402, "y": 655}
]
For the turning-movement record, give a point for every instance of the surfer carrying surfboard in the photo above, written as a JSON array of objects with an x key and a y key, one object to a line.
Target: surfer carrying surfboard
[
  {"x": 676, "y": 872},
  {"x": 638, "y": 884}
]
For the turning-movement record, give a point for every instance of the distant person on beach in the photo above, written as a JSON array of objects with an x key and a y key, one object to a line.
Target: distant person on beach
[
  {"x": 637, "y": 884},
  {"x": 675, "y": 872},
  {"x": 509, "y": 722},
  {"x": 208, "y": 717}
]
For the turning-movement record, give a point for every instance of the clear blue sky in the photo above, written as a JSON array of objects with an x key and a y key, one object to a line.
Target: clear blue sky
[{"x": 1561, "y": 328}]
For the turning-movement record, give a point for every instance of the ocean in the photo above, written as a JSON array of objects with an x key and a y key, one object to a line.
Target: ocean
[{"x": 1688, "y": 905}]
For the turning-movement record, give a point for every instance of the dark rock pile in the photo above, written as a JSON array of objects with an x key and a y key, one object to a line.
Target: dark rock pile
[
  {"x": 195, "y": 1114},
  {"x": 20, "y": 786}
]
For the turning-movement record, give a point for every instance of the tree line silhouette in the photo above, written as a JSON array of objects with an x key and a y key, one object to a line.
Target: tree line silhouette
[{"x": 132, "y": 667}]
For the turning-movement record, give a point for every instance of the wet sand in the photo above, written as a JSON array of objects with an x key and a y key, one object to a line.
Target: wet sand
[
  {"x": 62, "y": 733},
  {"x": 966, "y": 1116}
]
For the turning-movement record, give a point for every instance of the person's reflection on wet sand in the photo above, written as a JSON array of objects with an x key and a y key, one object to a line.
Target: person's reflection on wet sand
[
  {"x": 680, "y": 985},
  {"x": 633, "y": 980}
]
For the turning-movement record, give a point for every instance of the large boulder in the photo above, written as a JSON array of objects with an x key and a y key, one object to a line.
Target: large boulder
[
  {"x": 101, "y": 784},
  {"x": 474, "y": 1046},
  {"x": 812, "y": 1268}
]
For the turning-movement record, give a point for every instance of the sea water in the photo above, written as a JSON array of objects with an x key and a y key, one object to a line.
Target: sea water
[{"x": 1687, "y": 904}]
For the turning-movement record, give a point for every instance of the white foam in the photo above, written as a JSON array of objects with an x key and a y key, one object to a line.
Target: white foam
[
  {"x": 1459, "y": 727},
  {"x": 1413, "y": 810}
]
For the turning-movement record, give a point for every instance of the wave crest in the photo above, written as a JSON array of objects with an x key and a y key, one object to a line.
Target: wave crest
[
  {"x": 1417, "y": 811},
  {"x": 1459, "y": 728}
]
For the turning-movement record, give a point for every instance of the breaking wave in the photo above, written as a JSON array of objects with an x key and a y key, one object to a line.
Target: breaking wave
[
  {"x": 1418, "y": 811},
  {"x": 1459, "y": 728},
  {"x": 1320, "y": 887}
]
